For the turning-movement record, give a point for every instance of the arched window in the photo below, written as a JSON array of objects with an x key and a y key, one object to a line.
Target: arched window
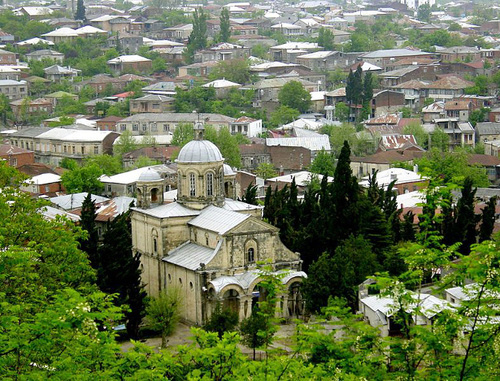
[
  {"x": 251, "y": 255},
  {"x": 192, "y": 184},
  {"x": 155, "y": 246},
  {"x": 210, "y": 184}
]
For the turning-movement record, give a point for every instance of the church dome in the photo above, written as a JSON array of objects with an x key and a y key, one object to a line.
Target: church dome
[
  {"x": 228, "y": 171},
  {"x": 149, "y": 175},
  {"x": 199, "y": 151}
]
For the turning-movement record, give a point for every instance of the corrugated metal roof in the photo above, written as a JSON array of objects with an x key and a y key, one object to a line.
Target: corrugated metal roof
[
  {"x": 316, "y": 143},
  {"x": 190, "y": 255},
  {"x": 173, "y": 209},
  {"x": 75, "y": 200},
  {"x": 218, "y": 219}
]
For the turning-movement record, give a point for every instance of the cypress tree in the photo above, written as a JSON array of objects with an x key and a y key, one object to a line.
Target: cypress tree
[
  {"x": 368, "y": 87},
  {"x": 466, "y": 218},
  {"x": 487, "y": 220},
  {"x": 225, "y": 26},
  {"x": 120, "y": 273},
  {"x": 80, "y": 11},
  {"x": 87, "y": 223},
  {"x": 250, "y": 196}
]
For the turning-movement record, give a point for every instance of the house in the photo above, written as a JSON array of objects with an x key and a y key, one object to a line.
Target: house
[
  {"x": 267, "y": 90},
  {"x": 13, "y": 89},
  {"x": 151, "y": 103},
  {"x": 320, "y": 60},
  {"x": 16, "y": 156},
  {"x": 413, "y": 91},
  {"x": 129, "y": 43},
  {"x": 487, "y": 131},
  {"x": 403, "y": 181},
  {"x": 433, "y": 111},
  {"x": 458, "y": 109},
  {"x": 199, "y": 69},
  {"x": 102, "y": 83},
  {"x": 203, "y": 233},
  {"x": 381, "y": 161},
  {"x": 56, "y": 73},
  {"x": 314, "y": 143},
  {"x": 29, "y": 43},
  {"x": 302, "y": 180},
  {"x": 44, "y": 184},
  {"x": 162, "y": 88},
  {"x": 447, "y": 87},
  {"x": 222, "y": 87},
  {"x": 75, "y": 200},
  {"x": 179, "y": 33},
  {"x": 460, "y": 133},
  {"x": 6, "y": 38},
  {"x": 288, "y": 52},
  {"x": 246, "y": 126},
  {"x": 88, "y": 31},
  {"x": 59, "y": 95},
  {"x": 39, "y": 55},
  {"x": 384, "y": 57},
  {"x": 125, "y": 183},
  {"x": 396, "y": 77},
  {"x": 398, "y": 142},
  {"x": 108, "y": 123},
  {"x": 7, "y": 58},
  {"x": 166, "y": 123},
  {"x": 130, "y": 63},
  {"x": 52, "y": 145},
  {"x": 159, "y": 154},
  {"x": 460, "y": 53},
  {"x": 61, "y": 35},
  {"x": 223, "y": 51},
  {"x": 7, "y": 72},
  {"x": 112, "y": 23},
  {"x": 34, "y": 13},
  {"x": 387, "y": 101},
  {"x": 287, "y": 29},
  {"x": 22, "y": 110}
]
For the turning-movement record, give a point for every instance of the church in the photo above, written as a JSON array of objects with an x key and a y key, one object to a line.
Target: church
[{"x": 206, "y": 243}]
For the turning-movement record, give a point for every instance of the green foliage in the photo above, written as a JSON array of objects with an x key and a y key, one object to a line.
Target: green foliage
[
  {"x": 227, "y": 144},
  {"x": 125, "y": 143},
  {"x": 250, "y": 196},
  {"x": 283, "y": 115},
  {"x": 424, "y": 13},
  {"x": 63, "y": 121},
  {"x": 479, "y": 115},
  {"x": 183, "y": 134},
  {"x": 197, "y": 99},
  {"x": 83, "y": 179},
  {"x": 440, "y": 140},
  {"x": 163, "y": 312},
  {"x": 451, "y": 167},
  {"x": 325, "y": 39},
  {"x": 198, "y": 38},
  {"x": 323, "y": 163},
  {"x": 295, "y": 96},
  {"x": 260, "y": 51},
  {"x": 110, "y": 165},
  {"x": 80, "y": 11},
  {"x": 361, "y": 143},
  {"x": 222, "y": 320},
  {"x": 21, "y": 26},
  {"x": 144, "y": 161},
  {"x": 237, "y": 70},
  {"x": 225, "y": 26},
  {"x": 418, "y": 132},
  {"x": 266, "y": 171},
  {"x": 342, "y": 112},
  {"x": 89, "y": 242}
]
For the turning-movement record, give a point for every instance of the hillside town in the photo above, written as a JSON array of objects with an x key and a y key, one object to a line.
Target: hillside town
[{"x": 326, "y": 170}]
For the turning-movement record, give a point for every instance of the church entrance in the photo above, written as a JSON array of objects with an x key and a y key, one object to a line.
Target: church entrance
[{"x": 231, "y": 301}]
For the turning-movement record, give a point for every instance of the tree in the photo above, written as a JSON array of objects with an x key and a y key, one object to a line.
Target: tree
[
  {"x": 266, "y": 171},
  {"x": 163, "y": 312},
  {"x": 477, "y": 116},
  {"x": 342, "y": 112},
  {"x": 110, "y": 165},
  {"x": 80, "y": 11},
  {"x": 424, "y": 12},
  {"x": 198, "y": 38},
  {"x": 325, "y": 39},
  {"x": 283, "y": 115},
  {"x": 323, "y": 163},
  {"x": 236, "y": 70},
  {"x": 487, "y": 220},
  {"x": 222, "y": 320},
  {"x": 294, "y": 95},
  {"x": 225, "y": 26},
  {"x": 418, "y": 132},
  {"x": 125, "y": 143},
  {"x": 440, "y": 140},
  {"x": 83, "y": 179},
  {"x": 250, "y": 196},
  {"x": 183, "y": 134},
  {"x": 227, "y": 144},
  {"x": 89, "y": 244},
  {"x": 251, "y": 330}
]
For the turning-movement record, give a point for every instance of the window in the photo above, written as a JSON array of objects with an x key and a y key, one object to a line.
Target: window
[
  {"x": 144, "y": 127},
  {"x": 123, "y": 127},
  {"x": 154, "y": 127},
  {"x": 155, "y": 245},
  {"x": 251, "y": 255},
  {"x": 166, "y": 127},
  {"x": 210, "y": 184},
  {"x": 65, "y": 149},
  {"x": 192, "y": 184},
  {"x": 96, "y": 150},
  {"x": 83, "y": 150},
  {"x": 135, "y": 127},
  {"x": 74, "y": 150},
  {"x": 156, "y": 106}
]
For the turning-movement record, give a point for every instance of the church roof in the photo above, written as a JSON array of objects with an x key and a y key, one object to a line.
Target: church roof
[
  {"x": 190, "y": 255},
  {"x": 173, "y": 209},
  {"x": 218, "y": 219},
  {"x": 199, "y": 151}
]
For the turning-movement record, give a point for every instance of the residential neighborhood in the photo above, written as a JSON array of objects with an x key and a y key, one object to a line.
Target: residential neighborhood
[{"x": 250, "y": 190}]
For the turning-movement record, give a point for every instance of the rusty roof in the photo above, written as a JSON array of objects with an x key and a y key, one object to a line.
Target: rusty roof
[
  {"x": 450, "y": 82},
  {"x": 457, "y": 105}
]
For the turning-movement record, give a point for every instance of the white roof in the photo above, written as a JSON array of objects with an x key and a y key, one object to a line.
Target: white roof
[
  {"x": 410, "y": 199},
  {"x": 239, "y": 206},
  {"x": 128, "y": 58},
  {"x": 191, "y": 255},
  {"x": 108, "y": 17},
  {"x": 366, "y": 66},
  {"x": 303, "y": 123},
  {"x": 88, "y": 29},
  {"x": 34, "y": 41},
  {"x": 75, "y": 200},
  {"x": 44, "y": 178},
  {"x": 217, "y": 219},
  {"x": 297, "y": 45},
  {"x": 154, "y": 43},
  {"x": 69, "y": 135},
  {"x": 36, "y": 11},
  {"x": 316, "y": 143},
  {"x": 284, "y": 25},
  {"x": 319, "y": 54},
  {"x": 50, "y": 213},
  {"x": 270, "y": 65},
  {"x": 302, "y": 178},
  {"x": 384, "y": 178},
  {"x": 271, "y": 15},
  {"x": 159, "y": 139},
  {"x": 124, "y": 178},
  {"x": 221, "y": 84},
  {"x": 317, "y": 95},
  {"x": 61, "y": 32},
  {"x": 173, "y": 209}
]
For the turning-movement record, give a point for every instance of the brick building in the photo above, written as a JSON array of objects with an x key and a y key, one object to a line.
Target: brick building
[{"x": 16, "y": 156}]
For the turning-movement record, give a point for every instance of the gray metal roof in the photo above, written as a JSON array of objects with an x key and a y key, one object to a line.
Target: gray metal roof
[
  {"x": 190, "y": 255},
  {"x": 488, "y": 128},
  {"x": 178, "y": 117},
  {"x": 74, "y": 201},
  {"x": 316, "y": 143},
  {"x": 173, "y": 209},
  {"x": 199, "y": 151},
  {"x": 30, "y": 132},
  {"x": 389, "y": 53},
  {"x": 217, "y": 219}
]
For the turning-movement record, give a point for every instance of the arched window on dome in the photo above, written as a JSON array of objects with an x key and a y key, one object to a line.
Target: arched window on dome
[
  {"x": 192, "y": 184},
  {"x": 210, "y": 184}
]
